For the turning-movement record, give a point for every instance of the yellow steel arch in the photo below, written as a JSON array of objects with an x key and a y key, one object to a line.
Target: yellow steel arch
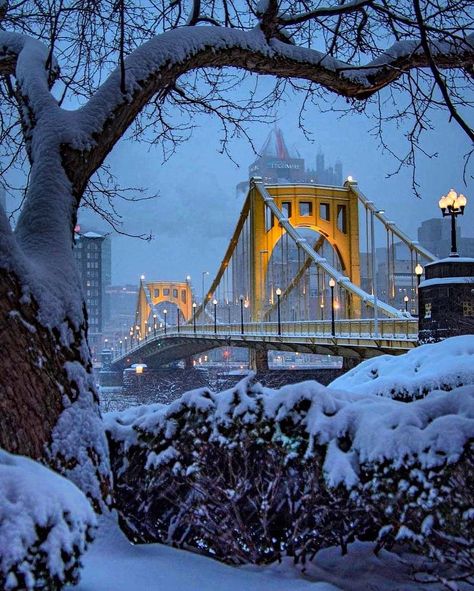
[
  {"x": 153, "y": 293},
  {"x": 331, "y": 211}
]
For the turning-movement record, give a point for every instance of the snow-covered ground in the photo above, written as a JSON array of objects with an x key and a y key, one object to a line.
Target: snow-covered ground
[{"x": 113, "y": 564}]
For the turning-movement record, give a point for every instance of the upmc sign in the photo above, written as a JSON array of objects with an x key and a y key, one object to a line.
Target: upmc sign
[{"x": 284, "y": 164}]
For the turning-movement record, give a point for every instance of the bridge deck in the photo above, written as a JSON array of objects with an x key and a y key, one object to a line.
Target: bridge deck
[{"x": 357, "y": 339}]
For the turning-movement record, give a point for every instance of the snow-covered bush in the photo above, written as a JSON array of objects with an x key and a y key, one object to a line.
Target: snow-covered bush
[
  {"x": 439, "y": 366},
  {"x": 251, "y": 474},
  {"x": 46, "y": 524}
]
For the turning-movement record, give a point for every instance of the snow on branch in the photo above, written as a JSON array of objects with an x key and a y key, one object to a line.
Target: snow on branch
[
  {"x": 154, "y": 67},
  {"x": 321, "y": 11}
]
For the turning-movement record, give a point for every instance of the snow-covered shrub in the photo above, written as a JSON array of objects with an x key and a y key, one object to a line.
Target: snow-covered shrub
[
  {"x": 46, "y": 524},
  {"x": 444, "y": 365},
  {"x": 251, "y": 474}
]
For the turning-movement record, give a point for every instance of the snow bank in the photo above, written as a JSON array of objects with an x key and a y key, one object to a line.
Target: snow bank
[
  {"x": 46, "y": 524},
  {"x": 438, "y": 366},
  {"x": 212, "y": 470}
]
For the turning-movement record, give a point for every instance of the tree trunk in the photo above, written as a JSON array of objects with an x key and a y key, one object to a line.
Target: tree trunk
[{"x": 45, "y": 413}]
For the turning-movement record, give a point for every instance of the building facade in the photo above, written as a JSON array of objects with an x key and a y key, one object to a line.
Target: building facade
[
  {"x": 278, "y": 164},
  {"x": 92, "y": 253}
]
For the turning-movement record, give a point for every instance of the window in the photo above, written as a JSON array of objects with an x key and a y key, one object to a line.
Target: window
[
  {"x": 156, "y": 293},
  {"x": 306, "y": 208},
  {"x": 428, "y": 310},
  {"x": 175, "y": 293},
  {"x": 468, "y": 309},
  {"x": 166, "y": 291},
  {"x": 324, "y": 211},
  {"x": 183, "y": 296},
  {"x": 286, "y": 208},
  {"x": 342, "y": 218}
]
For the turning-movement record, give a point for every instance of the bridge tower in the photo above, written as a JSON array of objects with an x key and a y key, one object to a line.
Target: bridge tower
[
  {"x": 152, "y": 293},
  {"x": 330, "y": 211}
]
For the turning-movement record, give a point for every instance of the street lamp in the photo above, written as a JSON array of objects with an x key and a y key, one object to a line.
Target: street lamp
[
  {"x": 214, "y": 301},
  {"x": 178, "y": 320},
  {"x": 165, "y": 312},
  {"x": 241, "y": 314},
  {"x": 154, "y": 325},
  {"x": 194, "y": 317},
  {"x": 125, "y": 339},
  {"x": 405, "y": 299},
  {"x": 418, "y": 273},
  {"x": 321, "y": 305},
  {"x": 453, "y": 205},
  {"x": 332, "y": 285},
  {"x": 278, "y": 295}
]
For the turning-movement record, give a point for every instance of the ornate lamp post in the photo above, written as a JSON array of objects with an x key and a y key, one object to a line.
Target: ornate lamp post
[
  {"x": 165, "y": 313},
  {"x": 321, "y": 305},
  {"x": 332, "y": 285},
  {"x": 214, "y": 301},
  {"x": 178, "y": 320},
  {"x": 453, "y": 205},
  {"x": 194, "y": 317},
  {"x": 241, "y": 314},
  {"x": 154, "y": 325},
  {"x": 125, "y": 343},
  {"x": 405, "y": 299},
  {"x": 278, "y": 295},
  {"x": 418, "y": 273}
]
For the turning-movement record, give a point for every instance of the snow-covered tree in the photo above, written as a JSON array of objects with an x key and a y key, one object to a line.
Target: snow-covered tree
[{"x": 122, "y": 58}]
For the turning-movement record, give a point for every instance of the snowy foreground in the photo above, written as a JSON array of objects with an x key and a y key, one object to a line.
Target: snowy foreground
[
  {"x": 46, "y": 523},
  {"x": 113, "y": 564}
]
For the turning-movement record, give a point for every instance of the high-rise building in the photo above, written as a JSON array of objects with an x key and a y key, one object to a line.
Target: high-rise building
[
  {"x": 278, "y": 164},
  {"x": 93, "y": 258},
  {"x": 435, "y": 235}
]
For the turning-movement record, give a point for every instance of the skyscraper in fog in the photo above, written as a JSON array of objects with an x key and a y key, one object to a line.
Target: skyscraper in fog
[{"x": 278, "y": 164}]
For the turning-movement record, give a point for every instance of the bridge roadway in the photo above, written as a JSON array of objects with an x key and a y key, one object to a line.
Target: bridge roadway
[{"x": 354, "y": 340}]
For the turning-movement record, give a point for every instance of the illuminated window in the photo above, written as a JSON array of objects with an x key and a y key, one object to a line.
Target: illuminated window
[
  {"x": 468, "y": 309},
  {"x": 428, "y": 310}
]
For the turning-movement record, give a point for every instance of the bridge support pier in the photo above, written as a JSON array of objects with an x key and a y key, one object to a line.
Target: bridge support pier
[
  {"x": 188, "y": 363},
  {"x": 349, "y": 363},
  {"x": 258, "y": 360}
]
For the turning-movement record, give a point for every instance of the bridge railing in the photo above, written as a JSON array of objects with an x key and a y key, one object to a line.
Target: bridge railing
[{"x": 387, "y": 329}]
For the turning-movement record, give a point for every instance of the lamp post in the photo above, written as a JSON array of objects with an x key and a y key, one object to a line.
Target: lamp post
[
  {"x": 165, "y": 314},
  {"x": 278, "y": 295},
  {"x": 154, "y": 325},
  {"x": 332, "y": 285},
  {"x": 194, "y": 317},
  {"x": 214, "y": 301},
  {"x": 453, "y": 205},
  {"x": 125, "y": 342},
  {"x": 178, "y": 320},
  {"x": 241, "y": 314},
  {"x": 321, "y": 305},
  {"x": 418, "y": 273},
  {"x": 405, "y": 299}
]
